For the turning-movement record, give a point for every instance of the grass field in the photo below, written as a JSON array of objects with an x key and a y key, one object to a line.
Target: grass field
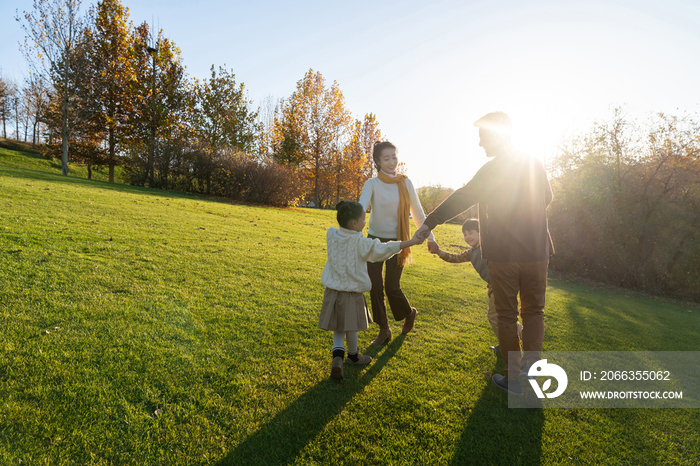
[{"x": 150, "y": 327}]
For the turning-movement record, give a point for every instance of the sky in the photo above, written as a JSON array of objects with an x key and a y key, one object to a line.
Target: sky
[{"x": 428, "y": 70}]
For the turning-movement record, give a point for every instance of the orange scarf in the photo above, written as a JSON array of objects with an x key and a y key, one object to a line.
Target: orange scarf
[{"x": 404, "y": 231}]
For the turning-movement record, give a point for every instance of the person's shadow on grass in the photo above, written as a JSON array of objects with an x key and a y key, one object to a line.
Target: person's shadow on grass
[
  {"x": 496, "y": 434},
  {"x": 281, "y": 440}
]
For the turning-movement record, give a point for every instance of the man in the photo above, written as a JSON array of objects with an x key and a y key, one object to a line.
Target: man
[{"x": 513, "y": 193}]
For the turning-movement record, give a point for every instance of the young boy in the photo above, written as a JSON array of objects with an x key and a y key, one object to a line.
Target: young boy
[{"x": 470, "y": 230}]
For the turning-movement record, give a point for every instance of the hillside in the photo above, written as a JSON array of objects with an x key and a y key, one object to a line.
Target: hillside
[
  {"x": 151, "y": 327},
  {"x": 26, "y": 155}
]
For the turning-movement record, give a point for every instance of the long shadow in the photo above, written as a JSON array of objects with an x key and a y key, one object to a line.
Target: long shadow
[
  {"x": 495, "y": 434},
  {"x": 281, "y": 440}
]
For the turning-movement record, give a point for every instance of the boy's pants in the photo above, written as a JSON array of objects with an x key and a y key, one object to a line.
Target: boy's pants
[{"x": 529, "y": 279}]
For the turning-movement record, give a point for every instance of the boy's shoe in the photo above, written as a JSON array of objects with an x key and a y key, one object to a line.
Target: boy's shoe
[
  {"x": 511, "y": 386},
  {"x": 496, "y": 349},
  {"x": 410, "y": 320},
  {"x": 362, "y": 359},
  {"x": 531, "y": 398},
  {"x": 337, "y": 368}
]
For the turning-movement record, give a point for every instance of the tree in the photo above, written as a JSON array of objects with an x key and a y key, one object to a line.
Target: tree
[
  {"x": 625, "y": 208},
  {"x": 55, "y": 46},
  {"x": 268, "y": 113},
  {"x": 111, "y": 72},
  {"x": 8, "y": 98},
  {"x": 161, "y": 104},
  {"x": 361, "y": 163},
  {"x": 312, "y": 129},
  {"x": 223, "y": 118},
  {"x": 38, "y": 97}
]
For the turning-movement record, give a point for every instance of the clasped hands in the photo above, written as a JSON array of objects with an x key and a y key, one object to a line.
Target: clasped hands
[{"x": 423, "y": 233}]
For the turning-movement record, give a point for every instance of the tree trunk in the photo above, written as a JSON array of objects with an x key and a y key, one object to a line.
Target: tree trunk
[
  {"x": 17, "y": 119},
  {"x": 89, "y": 164},
  {"x": 64, "y": 137},
  {"x": 111, "y": 153},
  {"x": 64, "y": 124},
  {"x": 317, "y": 200}
]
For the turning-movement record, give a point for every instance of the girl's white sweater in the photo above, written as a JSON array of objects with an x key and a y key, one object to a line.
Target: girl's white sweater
[{"x": 348, "y": 254}]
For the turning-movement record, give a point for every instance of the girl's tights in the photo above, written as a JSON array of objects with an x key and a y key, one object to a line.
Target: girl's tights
[{"x": 351, "y": 338}]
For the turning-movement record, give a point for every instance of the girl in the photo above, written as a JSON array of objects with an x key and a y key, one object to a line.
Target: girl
[
  {"x": 392, "y": 198},
  {"x": 344, "y": 310}
]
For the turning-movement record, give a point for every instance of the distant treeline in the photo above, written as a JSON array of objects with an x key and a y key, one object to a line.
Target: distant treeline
[
  {"x": 626, "y": 206},
  {"x": 104, "y": 92}
]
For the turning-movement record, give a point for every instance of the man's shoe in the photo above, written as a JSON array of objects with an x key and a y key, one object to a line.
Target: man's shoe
[
  {"x": 511, "y": 386},
  {"x": 337, "y": 368},
  {"x": 496, "y": 349},
  {"x": 410, "y": 320},
  {"x": 531, "y": 398}
]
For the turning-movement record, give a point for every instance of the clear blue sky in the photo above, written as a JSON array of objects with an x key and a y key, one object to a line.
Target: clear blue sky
[{"x": 428, "y": 70}]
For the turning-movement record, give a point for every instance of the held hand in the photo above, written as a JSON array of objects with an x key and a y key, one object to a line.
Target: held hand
[
  {"x": 423, "y": 232},
  {"x": 417, "y": 239},
  {"x": 433, "y": 247}
]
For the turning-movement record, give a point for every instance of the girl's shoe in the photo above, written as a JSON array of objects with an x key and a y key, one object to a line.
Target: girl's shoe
[
  {"x": 362, "y": 359},
  {"x": 337, "y": 368},
  {"x": 384, "y": 335},
  {"x": 410, "y": 320}
]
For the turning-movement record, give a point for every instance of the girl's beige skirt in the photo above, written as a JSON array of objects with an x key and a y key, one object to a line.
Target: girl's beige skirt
[{"x": 344, "y": 311}]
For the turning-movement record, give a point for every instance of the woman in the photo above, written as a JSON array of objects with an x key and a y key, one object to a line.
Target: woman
[{"x": 392, "y": 198}]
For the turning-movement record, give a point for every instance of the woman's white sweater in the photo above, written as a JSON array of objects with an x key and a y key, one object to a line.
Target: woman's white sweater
[
  {"x": 384, "y": 200},
  {"x": 348, "y": 254}
]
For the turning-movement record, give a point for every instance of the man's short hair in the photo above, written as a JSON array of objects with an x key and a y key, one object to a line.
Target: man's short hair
[{"x": 495, "y": 121}]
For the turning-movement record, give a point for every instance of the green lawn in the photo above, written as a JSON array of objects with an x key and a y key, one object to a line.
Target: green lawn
[{"x": 150, "y": 327}]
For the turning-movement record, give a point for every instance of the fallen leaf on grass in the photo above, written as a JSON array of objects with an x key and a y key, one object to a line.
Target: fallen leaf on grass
[{"x": 487, "y": 373}]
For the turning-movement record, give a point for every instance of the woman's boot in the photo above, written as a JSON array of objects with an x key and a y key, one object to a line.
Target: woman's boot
[{"x": 384, "y": 335}]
